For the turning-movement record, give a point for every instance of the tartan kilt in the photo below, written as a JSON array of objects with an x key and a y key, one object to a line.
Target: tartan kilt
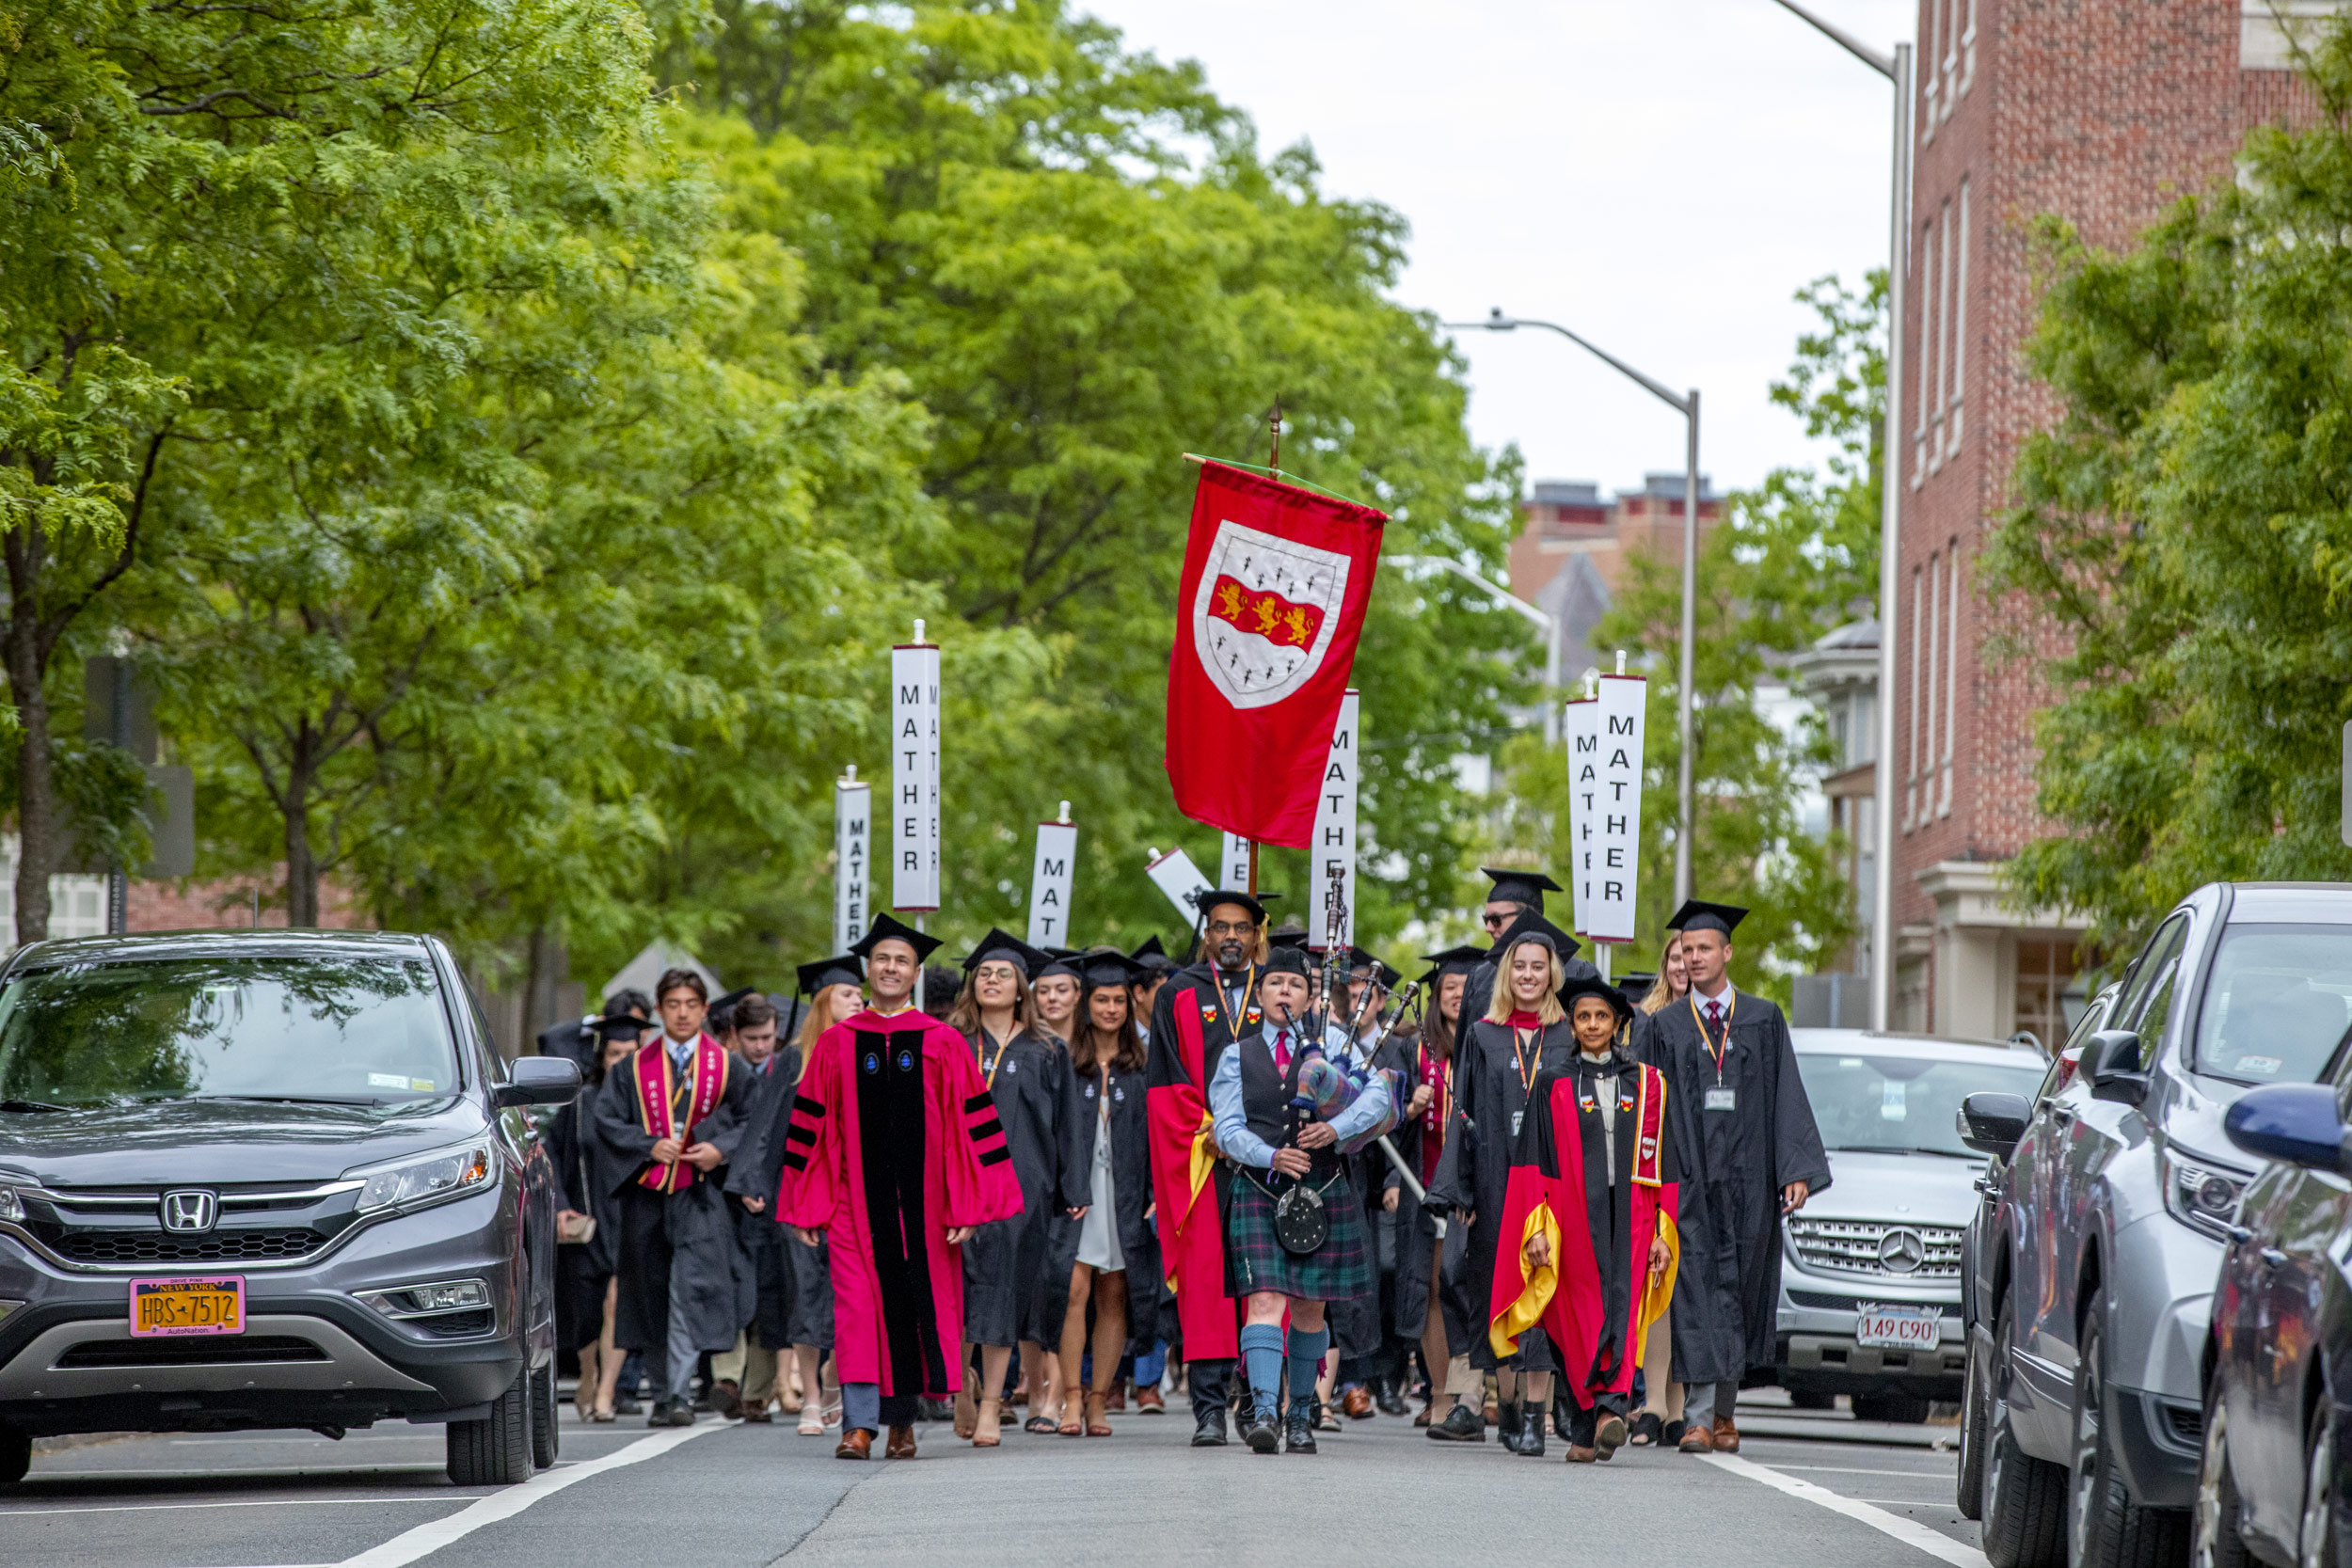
[{"x": 1255, "y": 1260}]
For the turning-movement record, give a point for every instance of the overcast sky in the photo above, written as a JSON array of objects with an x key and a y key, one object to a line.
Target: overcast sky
[{"x": 1659, "y": 175}]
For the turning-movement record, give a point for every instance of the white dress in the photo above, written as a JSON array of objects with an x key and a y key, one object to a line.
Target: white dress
[{"x": 1098, "y": 1233}]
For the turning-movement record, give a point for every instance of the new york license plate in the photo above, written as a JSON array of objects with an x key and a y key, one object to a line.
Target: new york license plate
[
  {"x": 1895, "y": 1327},
  {"x": 214, "y": 1305}
]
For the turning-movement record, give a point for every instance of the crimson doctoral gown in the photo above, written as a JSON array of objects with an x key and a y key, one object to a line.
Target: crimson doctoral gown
[{"x": 894, "y": 1142}]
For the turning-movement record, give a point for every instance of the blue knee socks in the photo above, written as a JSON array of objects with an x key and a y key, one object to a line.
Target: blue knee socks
[
  {"x": 1262, "y": 1353},
  {"x": 1306, "y": 1351}
]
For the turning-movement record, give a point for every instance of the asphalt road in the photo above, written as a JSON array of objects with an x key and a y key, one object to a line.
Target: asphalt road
[{"x": 1805, "y": 1492}]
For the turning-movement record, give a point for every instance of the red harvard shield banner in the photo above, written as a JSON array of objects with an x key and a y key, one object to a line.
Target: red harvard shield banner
[{"x": 1276, "y": 580}]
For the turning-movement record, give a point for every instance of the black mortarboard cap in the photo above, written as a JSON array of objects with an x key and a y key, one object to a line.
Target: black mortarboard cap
[
  {"x": 615, "y": 1026},
  {"x": 1532, "y": 923},
  {"x": 1288, "y": 937},
  {"x": 1592, "y": 985},
  {"x": 1519, "y": 887},
  {"x": 1360, "y": 959},
  {"x": 1697, "y": 914},
  {"x": 842, "y": 969},
  {"x": 1454, "y": 960},
  {"x": 1110, "y": 968},
  {"x": 885, "y": 928},
  {"x": 1000, "y": 944},
  {"x": 1637, "y": 982},
  {"x": 1152, "y": 956},
  {"x": 719, "y": 1004},
  {"x": 1255, "y": 903}
]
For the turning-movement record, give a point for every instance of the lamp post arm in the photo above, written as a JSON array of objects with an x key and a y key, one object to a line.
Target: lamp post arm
[
  {"x": 1543, "y": 619},
  {"x": 1498, "y": 322},
  {"x": 1883, "y": 64}
]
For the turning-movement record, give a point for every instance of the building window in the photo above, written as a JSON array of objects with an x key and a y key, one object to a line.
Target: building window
[
  {"x": 1956, "y": 347},
  {"x": 77, "y": 904},
  {"x": 1927, "y": 763},
  {"x": 2050, "y": 992},
  {"x": 1951, "y": 675},
  {"x": 1930, "y": 79},
  {"x": 1911, "y": 776},
  {"x": 1968, "y": 50},
  {"x": 1926, "y": 335},
  {"x": 1940, "y": 337}
]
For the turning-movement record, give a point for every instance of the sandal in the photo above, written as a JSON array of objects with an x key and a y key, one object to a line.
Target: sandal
[
  {"x": 1042, "y": 1425},
  {"x": 986, "y": 1425},
  {"x": 603, "y": 1415},
  {"x": 1098, "y": 1420},
  {"x": 812, "y": 1420}
]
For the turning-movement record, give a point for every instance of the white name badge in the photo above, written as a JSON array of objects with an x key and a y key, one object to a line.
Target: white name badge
[
  {"x": 1723, "y": 1098},
  {"x": 1516, "y": 1116}
]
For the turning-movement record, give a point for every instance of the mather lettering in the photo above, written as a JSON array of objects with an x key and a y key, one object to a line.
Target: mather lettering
[
  {"x": 1056, "y": 868},
  {"x": 1620, "y": 725},
  {"x": 910, "y": 696},
  {"x": 1613, "y": 889}
]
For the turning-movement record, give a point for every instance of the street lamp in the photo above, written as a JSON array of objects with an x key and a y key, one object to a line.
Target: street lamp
[
  {"x": 1895, "y": 68},
  {"x": 1688, "y": 407}
]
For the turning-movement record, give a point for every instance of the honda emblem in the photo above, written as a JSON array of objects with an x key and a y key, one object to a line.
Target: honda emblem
[{"x": 190, "y": 1209}]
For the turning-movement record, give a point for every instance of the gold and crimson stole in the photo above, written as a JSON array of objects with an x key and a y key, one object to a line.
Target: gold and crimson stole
[
  {"x": 1649, "y": 1123},
  {"x": 659, "y": 1099}
]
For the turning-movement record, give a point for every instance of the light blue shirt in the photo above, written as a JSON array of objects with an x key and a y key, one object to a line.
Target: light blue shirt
[
  {"x": 1232, "y": 1123},
  {"x": 681, "y": 1051}
]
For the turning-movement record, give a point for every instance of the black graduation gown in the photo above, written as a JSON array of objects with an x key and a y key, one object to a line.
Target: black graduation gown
[
  {"x": 1734, "y": 1164},
  {"x": 1131, "y": 1185},
  {"x": 585, "y": 1175},
  {"x": 693, "y": 1229},
  {"x": 1008, "y": 1292},
  {"x": 1474, "y": 1172},
  {"x": 1202, "y": 1317},
  {"x": 793, "y": 1277},
  {"x": 1415, "y": 1240},
  {"x": 1360, "y": 1328}
]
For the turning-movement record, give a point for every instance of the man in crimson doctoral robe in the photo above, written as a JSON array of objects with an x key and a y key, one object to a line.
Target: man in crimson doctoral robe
[
  {"x": 1200, "y": 1012},
  {"x": 896, "y": 1152}
]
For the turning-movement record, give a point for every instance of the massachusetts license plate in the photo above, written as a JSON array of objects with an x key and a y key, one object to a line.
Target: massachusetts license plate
[
  {"x": 214, "y": 1305},
  {"x": 1897, "y": 1327}
]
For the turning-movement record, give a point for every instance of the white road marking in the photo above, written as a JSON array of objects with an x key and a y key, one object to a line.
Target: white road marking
[
  {"x": 411, "y": 1544},
  {"x": 254, "y": 1502},
  {"x": 1909, "y": 1531},
  {"x": 1855, "y": 1470}
]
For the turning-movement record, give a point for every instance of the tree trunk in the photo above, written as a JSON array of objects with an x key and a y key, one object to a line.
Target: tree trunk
[
  {"x": 546, "y": 972},
  {"x": 302, "y": 866},
  {"x": 35, "y": 791}
]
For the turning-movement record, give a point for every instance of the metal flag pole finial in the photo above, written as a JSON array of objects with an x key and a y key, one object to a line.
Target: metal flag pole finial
[
  {"x": 918, "y": 628},
  {"x": 1065, "y": 813},
  {"x": 1620, "y": 661},
  {"x": 1592, "y": 683}
]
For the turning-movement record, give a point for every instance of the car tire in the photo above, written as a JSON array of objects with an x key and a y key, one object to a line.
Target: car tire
[
  {"x": 16, "y": 1455},
  {"x": 2105, "y": 1527},
  {"x": 546, "y": 1438},
  {"x": 1973, "y": 1412},
  {"x": 1811, "y": 1398},
  {"x": 2215, "y": 1539},
  {"x": 496, "y": 1450},
  {"x": 2024, "y": 1498},
  {"x": 2317, "y": 1540},
  {"x": 1896, "y": 1409}
]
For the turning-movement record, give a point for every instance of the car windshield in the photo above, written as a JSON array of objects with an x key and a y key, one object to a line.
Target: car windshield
[
  {"x": 2276, "y": 1004},
  {"x": 1902, "y": 1105},
  {"x": 342, "y": 1030}
]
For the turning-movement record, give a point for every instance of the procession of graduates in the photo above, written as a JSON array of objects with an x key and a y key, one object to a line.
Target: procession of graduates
[{"x": 1062, "y": 1180}]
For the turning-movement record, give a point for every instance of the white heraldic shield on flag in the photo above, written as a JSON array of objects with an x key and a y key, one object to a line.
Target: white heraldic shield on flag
[{"x": 1266, "y": 613}]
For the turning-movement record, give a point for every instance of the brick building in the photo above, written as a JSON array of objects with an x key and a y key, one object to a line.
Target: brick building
[
  {"x": 2101, "y": 112},
  {"x": 1570, "y": 552}
]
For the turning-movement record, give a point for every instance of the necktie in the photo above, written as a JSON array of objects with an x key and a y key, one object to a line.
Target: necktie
[
  {"x": 1715, "y": 1015},
  {"x": 1283, "y": 1049}
]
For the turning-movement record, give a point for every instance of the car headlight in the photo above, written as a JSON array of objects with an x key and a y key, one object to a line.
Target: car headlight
[
  {"x": 11, "y": 1202},
  {"x": 424, "y": 1179},
  {"x": 2200, "y": 1194}
]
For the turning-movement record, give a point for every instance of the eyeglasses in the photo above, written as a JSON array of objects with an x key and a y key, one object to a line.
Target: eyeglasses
[
  {"x": 1496, "y": 920},
  {"x": 1231, "y": 928}
]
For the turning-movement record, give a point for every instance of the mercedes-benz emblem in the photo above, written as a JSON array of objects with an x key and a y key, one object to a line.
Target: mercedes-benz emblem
[
  {"x": 1901, "y": 1250},
  {"x": 190, "y": 1209}
]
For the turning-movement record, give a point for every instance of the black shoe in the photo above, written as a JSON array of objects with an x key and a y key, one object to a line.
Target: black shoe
[
  {"x": 1298, "y": 1435},
  {"x": 1647, "y": 1429},
  {"x": 1260, "y": 1434},
  {"x": 1387, "y": 1399},
  {"x": 1209, "y": 1433},
  {"x": 934, "y": 1410},
  {"x": 625, "y": 1404},
  {"x": 1509, "y": 1416},
  {"x": 1531, "y": 1429},
  {"x": 681, "y": 1413},
  {"x": 1670, "y": 1436},
  {"x": 1462, "y": 1424},
  {"x": 660, "y": 1415}
]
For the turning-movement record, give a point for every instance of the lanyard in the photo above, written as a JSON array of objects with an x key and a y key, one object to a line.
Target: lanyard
[
  {"x": 1528, "y": 1065},
  {"x": 1226, "y": 1012},
  {"x": 1717, "y": 1052},
  {"x": 1000, "y": 1056},
  {"x": 1442, "y": 1101}
]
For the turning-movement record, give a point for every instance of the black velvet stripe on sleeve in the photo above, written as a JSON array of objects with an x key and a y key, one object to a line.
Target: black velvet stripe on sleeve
[
  {"x": 800, "y": 1134},
  {"x": 996, "y": 1156},
  {"x": 992, "y": 1128},
  {"x": 980, "y": 1102},
  {"x": 795, "y": 1160},
  {"x": 802, "y": 1105}
]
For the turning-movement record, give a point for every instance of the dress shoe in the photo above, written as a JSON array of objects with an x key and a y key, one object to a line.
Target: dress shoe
[
  {"x": 626, "y": 1405},
  {"x": 1727, "y": 1435},
  {"x": 1507, "y": 1422},
  {"x": 934, "y": 1410},
  {"x": 681, "y": 1413},
  {"x": 902, "y": 1444},
  {"x": 1149, "y": 1401},
  {"x": 856, "y": 1442},
  {"x": 1209, "y": 1433},
  {"x": 1298, "y": 1432},
  {"x": 1695, "y": 1440},
  {"x": 1670, "y": 1433},
  {"x": 726, "y": 1398},
  {"x": 762, "y": 1415},
  {"x": 1580, "y": 1455},
  {"x": 1357, "y": 1403},
  {"x": 1459, "y": 1425},
  {"x": 1531, "y": 1431},
  {"x": 1261, "y": 1434},
  {"x": 1645, "y": 1430},
  {"x": 1389, "y": 1398},
  {"x": 1610, "y": 1436}
]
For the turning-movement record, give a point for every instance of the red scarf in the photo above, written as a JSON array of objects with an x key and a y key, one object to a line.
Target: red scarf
[{"x": 657, "y": 1095}]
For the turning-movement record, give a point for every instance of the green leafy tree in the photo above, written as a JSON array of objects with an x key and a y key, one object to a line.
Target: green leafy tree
[
  {"x": 1796, "y": 558},
  {"x": 2179, "y": 559}
]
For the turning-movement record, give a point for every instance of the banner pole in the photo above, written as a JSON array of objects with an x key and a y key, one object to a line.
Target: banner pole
[{"x": 1252, "y": 888}]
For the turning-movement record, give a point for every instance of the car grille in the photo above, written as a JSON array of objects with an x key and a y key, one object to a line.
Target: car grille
[
  {"x": 2185, "y": 1422},
  {"x": 1823, "y": 1301},
  {"x": 1859, "y": 1246},
  {"x": 205, "y": 1350},
  {"x": 156, "y": 1247},
  {"x": 456, "y": 1325}
]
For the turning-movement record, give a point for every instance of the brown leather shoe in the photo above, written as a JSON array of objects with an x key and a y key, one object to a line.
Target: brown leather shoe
[
  {"x": 1149, "y": 1403},
  {"x": 1727, "y": 1435},
  {"x": 1357, "y": 1402},
  {"x": 856, "y": 1442},
  {"x": 1695, "y": 1440},
  {"x": 902, "y": 1444}
]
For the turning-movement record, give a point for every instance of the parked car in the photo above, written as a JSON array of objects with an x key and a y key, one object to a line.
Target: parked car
[
  {"x": 271, "y": 1179},
  {"x": 2275, "y": 1477},
  {"x": 2106, "y": 1218},
  {"x": 1869, "y": 1275}
]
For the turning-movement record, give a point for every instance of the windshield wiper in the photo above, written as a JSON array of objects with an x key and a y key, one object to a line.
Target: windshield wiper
[
  {"x": 295, "y": 1099},
  {"x": 30, "y": 1105},
  {"x": 1900, "y": 1149}
]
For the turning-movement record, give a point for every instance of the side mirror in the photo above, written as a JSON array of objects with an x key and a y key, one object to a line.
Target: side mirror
[
  {"x": 2111, "y": 1067},
  {"x": 1992, "y": 1122},
  {"x": 2293, "y": 1122},
  {"x": 538, "y": 1081}
]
